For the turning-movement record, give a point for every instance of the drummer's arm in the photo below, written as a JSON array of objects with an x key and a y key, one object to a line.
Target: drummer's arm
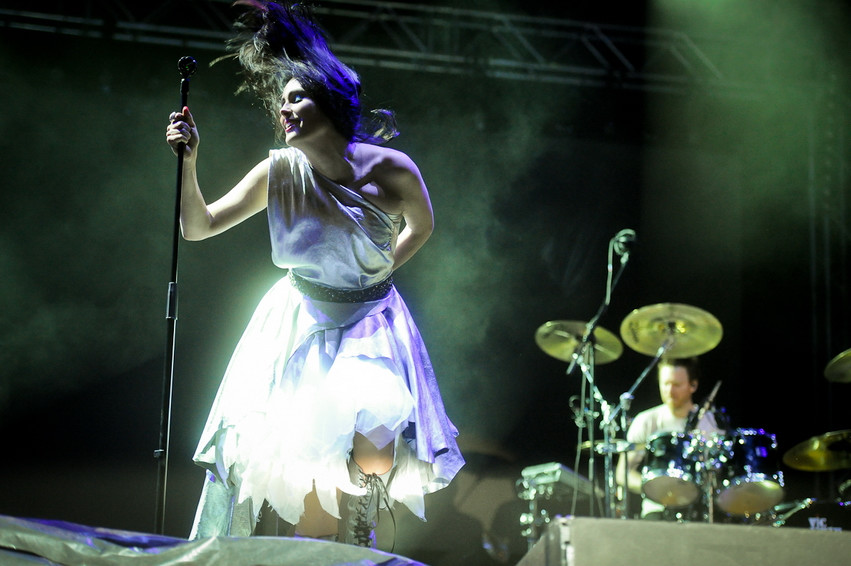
[{"x": 633, "y": 476}]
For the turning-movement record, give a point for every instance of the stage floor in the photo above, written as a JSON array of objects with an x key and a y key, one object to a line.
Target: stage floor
[
  {"x": 583, "y": 541},
  {"x": 28, "y": 542}
]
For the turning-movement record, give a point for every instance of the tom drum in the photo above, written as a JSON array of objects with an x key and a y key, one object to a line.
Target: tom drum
[
  {"x": 751, "y": 481},
  {"x": 669, "y": 476}
]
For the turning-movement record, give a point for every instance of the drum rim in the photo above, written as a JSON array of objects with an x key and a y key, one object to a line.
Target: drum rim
[{"x": 661, "y": 434}]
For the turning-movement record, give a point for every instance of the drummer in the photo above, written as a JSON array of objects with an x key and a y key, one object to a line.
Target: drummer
[{"x": 678, "y": 381}]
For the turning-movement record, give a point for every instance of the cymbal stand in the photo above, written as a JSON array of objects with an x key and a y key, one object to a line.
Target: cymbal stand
[
  {"x": 610, "y": 425},
  {"x": 614, "y": 508},
  {"x": 584, "y": 359},
  {"x": 709, "y": 494},
  {"x": 709, "y": 458},
  {"x": 626, "y": 398}
]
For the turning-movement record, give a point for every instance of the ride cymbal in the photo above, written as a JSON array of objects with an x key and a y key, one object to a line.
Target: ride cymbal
[
  {"x": 561, "y": 338},
  {"x": 839, "y": 368},
  {"x": 687, "y": 331},
  {"x": 830, "y": 451}
]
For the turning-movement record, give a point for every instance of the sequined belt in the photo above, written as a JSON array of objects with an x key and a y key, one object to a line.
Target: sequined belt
[{"x": 332, "y": 295}]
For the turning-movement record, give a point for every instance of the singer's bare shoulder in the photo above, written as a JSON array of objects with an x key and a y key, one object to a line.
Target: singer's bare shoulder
[{"x": 390, "y": 178}]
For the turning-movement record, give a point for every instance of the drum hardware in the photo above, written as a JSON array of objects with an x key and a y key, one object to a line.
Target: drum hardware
[
  {"x": 814, "y": 514},
  {"x": 585, "y": 357},
  {"x": 714, "y": 449},
  {"x": 710, "y": 486},
  {"x": 572, "y": 343},
  {"x": 738, "y": 473},
  {"x": 545, "y": 481},
  {"x": 555, "y": 479},
  {"x": 610, "y": 423},
  {"x": 659, "y": 330},
  {"x": 839, "y": 368},
  {"x": 681, "y": 467},
  {"x": 695, "y": 416},
  {"x": 845, "y": 489},
  {"x": 681, "y": 470},
  {"x": 691, "y": 331},
  {"x": 562, "y": 338},
  {"x": 669, "y": 476},
  {"x": 614, "y": 446},
  {"x": 825, "y": 453},
  {"x": 668, "y": 328}
]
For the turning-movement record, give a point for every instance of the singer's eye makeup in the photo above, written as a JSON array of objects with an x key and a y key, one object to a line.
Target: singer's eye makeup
[{"x": 294, "y": 96}]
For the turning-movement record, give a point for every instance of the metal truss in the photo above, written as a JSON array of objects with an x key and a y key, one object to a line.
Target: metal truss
[
  {"x": 830, "y": 236},
  {"x": 422, "y": 38}
]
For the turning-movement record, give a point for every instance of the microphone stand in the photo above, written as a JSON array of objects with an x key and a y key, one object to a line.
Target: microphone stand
[
  {"x": 186, "y": 66},
  {"x": 584, "y": 356}
]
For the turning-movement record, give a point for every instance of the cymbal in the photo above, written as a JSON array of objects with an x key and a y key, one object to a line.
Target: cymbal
[
  {"x": 830, "y": 451},
  {"x": 691, "y": 331},
  {"x": 839, "y": 368},
  {"x": 560, "y": 338}
]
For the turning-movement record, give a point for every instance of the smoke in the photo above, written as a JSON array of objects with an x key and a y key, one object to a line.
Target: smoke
[
  {"x": 528, "y": 182},
  {"x": 86, "y": 216}
]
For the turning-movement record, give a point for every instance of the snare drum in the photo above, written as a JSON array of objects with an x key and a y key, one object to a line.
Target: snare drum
[
  {"x": 669, "y": 476},
  {"x": 751, "y": 482}
]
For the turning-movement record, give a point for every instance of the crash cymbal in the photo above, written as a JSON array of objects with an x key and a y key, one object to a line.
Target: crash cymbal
[
  {"x": 839, "y": 368},
  {"x": 560, "y": 338},
  {"x": 688, "y": 330},
  {"x": 831, "y": 451}
]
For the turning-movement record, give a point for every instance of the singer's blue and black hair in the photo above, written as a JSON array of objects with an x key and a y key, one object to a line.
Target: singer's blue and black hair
[{"x": 278, "y": 42}]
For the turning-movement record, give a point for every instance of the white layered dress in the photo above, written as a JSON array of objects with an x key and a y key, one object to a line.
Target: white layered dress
[{"x": 307, "y": 373}]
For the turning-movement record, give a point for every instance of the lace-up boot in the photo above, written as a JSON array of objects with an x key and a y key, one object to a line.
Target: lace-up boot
[{"x": 363, "y": 511}]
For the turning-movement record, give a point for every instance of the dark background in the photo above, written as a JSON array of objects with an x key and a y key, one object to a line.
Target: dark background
[{"x": 733, "y": 198}]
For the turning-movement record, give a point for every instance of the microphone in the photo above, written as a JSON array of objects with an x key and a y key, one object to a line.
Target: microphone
[
  {"x": 186, "y": 66},
  {"x": 623, "y": 241}
]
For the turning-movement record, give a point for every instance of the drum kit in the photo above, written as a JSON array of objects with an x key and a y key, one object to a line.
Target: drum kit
[{"x": 689, "y": 473}]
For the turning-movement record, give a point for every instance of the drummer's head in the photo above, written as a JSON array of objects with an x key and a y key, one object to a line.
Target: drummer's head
[{"x": 678, "y": 380}]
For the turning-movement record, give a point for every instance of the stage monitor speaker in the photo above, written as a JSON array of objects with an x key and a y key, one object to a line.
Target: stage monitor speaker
[{"x": 583, "y": 541}]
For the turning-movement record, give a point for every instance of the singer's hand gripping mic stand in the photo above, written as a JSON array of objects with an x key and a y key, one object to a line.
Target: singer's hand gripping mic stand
[{"x": 186, "y": 66}]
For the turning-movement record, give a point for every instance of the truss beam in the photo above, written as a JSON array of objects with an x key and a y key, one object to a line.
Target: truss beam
[{"x": 430, "y": 39}]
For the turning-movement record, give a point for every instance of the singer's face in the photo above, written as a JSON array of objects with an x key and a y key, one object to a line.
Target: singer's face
[
  {"x": 301, "y": 118},
  {"x": 674, "y": 386}
]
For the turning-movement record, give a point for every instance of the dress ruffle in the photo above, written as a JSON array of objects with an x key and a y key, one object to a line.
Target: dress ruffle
[{"x": 305, "y": 376}]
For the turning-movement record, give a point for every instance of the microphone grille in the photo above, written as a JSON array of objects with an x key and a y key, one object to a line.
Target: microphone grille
[{"x": 186, "y": 66}]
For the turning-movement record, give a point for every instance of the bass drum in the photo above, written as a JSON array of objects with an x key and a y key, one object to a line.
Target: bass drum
[
  {"x": 751, "y": 481},
  {"x": 669, "y": 476},
  {"x": 815, "y": 514}
]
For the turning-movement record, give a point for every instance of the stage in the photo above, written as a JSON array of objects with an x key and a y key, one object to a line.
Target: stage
[
  {"x": 566, "y": 541},
  {"x": 30, "y": 541},
  {"x": 581, "y": 541}
]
